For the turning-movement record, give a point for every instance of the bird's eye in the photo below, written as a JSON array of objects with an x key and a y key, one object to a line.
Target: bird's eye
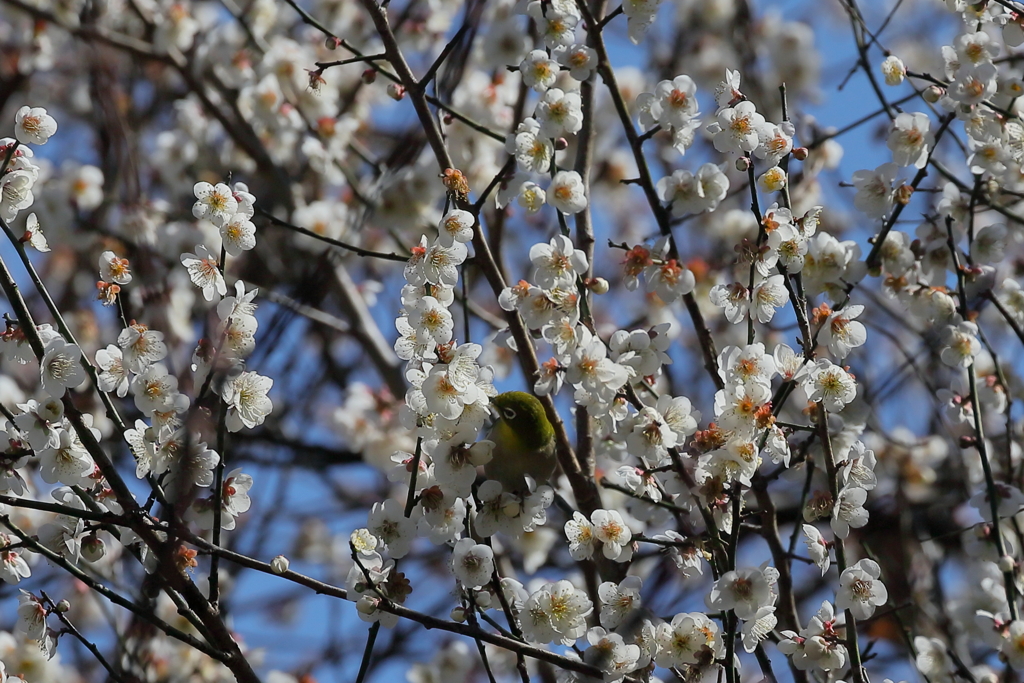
[{"x": 508, "y": 413}]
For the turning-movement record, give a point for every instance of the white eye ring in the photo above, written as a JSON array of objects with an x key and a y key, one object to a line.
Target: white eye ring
[{"x": 508, "y": 413}]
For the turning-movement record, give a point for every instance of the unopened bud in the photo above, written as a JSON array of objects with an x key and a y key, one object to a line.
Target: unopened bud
[
  {"x": 483, "y": 599},
  {"x": 458, "y": 614},
  {"x": 903, "y": 194},
  {"x": 93, "y": 548},
  {"x": 968, "y": 441},
  {"x": 448, "y": 118},
  {"x": 280, "y": 564},
  {"x": 742, "y": 164},
  {"x": 932, "y": 94},
  {"x": 561, "y": 143},
  {"x": 1007, "y": 564},
  {"x": 598, "y": 285},
  {"x": 800, "y": 153},
  {"x": 62, "y": 607},
  {"x": 396, "y": 91},
  {"x": 332, "y": 42},
  {"x": 366, "y": 605},
  {"x": 369, "y": 76}
]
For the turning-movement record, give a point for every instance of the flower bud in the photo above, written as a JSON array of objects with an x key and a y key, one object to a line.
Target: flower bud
[
  {"x": 279, "y": 565},
  {"x": 598, "y": 285},
  {"x": 448, "y": 118},
  {"x": 800, "y": 153},
  {"x": 1007, "y": 564},
  {"x": 332, "y": 42},
  {"x": 396, "y": 91},
  {"x": 367, "y": 605},
  {"x": 742, "y": 164},
  {"x": 483, "y": 599},
  {"x": 93, "y": 548},
  {"x": 560, "y": 144},
  {"x": 458, "y": 614},
  {"x": 932, "y": 94},
  {"x": 968, "y": 441},
  {"x": 62, "y": 607},
  {"x": 369, "y": 76}
]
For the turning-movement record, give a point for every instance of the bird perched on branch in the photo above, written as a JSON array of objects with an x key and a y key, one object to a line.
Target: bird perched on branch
[{"x": 524, "y": 442}]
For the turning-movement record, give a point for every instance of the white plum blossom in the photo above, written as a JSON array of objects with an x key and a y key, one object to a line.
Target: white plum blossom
[
  {"x": 690, "y": 637},
  {"x": 619, "y": 600},
  {"x": 388, "y": 523},
  {"x": 33, "y": 126},
  {"x": 960, "y": 344},
  {"x": 831, "y": 385},
  {"x": 769, "y": 294},
  {"x": 533, "y": 152},
  {"x": 910, "y": 139},
  {"x": 248, "y": 403},
  {"x": 238, "y": 234},
  {"x": 875, "y": 190},
  {"x": 234, "y": 501},
  {"x": 894, "y": 70},
  {"x": 61, "y": 368},
  {"x": 15, "y": 193},
  {"x": 473, "y": 563},
  {"x": 114, "y": 269},
  {"x": 614, "y": 535},
  {"x": 559, "y": 113},
  {"x": 139, "y": 347},
  {"x": 580, "y": 533},
  {"x": 849, "y": 511},
  {"x": 34, "y": 236},
  {"x": 31, "y": 617},
  {"x": 698, "y": 192},
  {"x": 860, "y": 589},
  {"x": 841, "y": 333},
  {"x": 591, "y": 369},
  {"x": 204, "y": 270},
  {"x": 610, "y": 653},
  {"x": 67, "y": 463},
  {"x": 215, "y": 203},
  {"x": 669, "y": 280},
  {"x": 456, "y": 226},
  {"x": 734, "y": 299},
  {"x": 13, "y": 567},
  {"x": 555, "y": 24},
  {"x": 640, "y": 15},
  {"x": 817, "y": 547},
  {"x": 745, "y": 591},
  {"x": 556, "y": 612},
  {"x": 775, "y": 142},
  {"x": 539, "y": 70},
  {"x": 557, "y": 262},
  {"x": 566, "y": 192},
  {"x": 579, "y": 59},
  {"x": 736, "y": 129}
]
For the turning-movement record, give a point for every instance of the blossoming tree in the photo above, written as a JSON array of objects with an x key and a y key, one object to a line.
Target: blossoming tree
[{"x": 267, "y": 267}]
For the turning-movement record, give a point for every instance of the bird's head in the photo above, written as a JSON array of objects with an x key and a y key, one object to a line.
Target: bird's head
[{"x": 524, "y": 416}]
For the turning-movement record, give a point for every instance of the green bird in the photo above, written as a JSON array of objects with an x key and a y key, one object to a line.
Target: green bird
[{"x": 524, "y": 442}]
